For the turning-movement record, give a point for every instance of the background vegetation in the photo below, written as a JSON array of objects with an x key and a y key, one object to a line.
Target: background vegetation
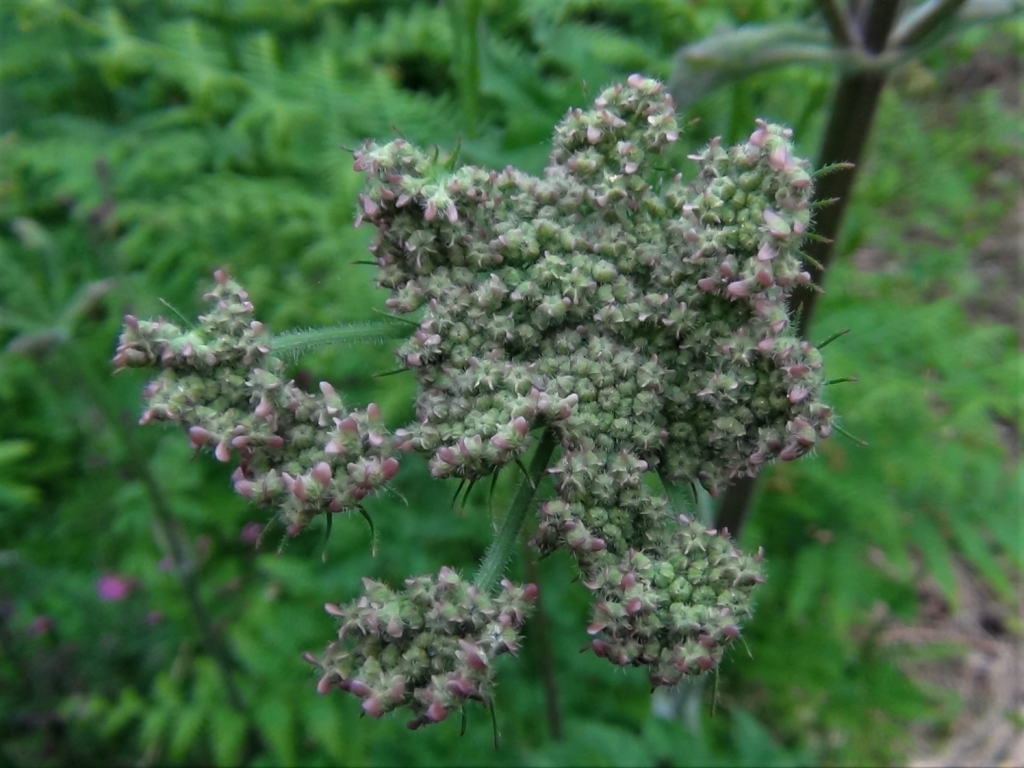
[{"x": 144, "y": 143}]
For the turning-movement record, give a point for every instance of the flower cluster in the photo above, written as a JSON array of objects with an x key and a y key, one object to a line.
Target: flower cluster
[
  {"x": 429, "y": 647},
  {"x": 639, "y": 320},
  {"x": 642, "y": 319},
  {"x": 299, "y": 453}
]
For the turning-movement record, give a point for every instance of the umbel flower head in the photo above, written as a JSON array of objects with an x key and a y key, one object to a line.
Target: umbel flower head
[
  {"x": 429, "y": 647},
  {"x": 639, "y": 321},
  {"x": 298, "y": 453},
  {"x": 642, "y": 319}
]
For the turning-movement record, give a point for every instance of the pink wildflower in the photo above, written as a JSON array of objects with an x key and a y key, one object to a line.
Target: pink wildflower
[{"x": 113, "y": 589}]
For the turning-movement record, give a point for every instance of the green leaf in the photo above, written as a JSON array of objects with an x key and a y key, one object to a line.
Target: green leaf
[
  {"x": 185, "y": 732},
  {"x": 12, "y": 451},
  {"x": 277, "y": 726},
  {"x": 227, "y": 736},
  {"x": 153, "y": 727},
  {"x": 321, "y": 722},
  {"x": 938, "y": 558},
  {"x": 810, "y": 570},
  {"x": 979, "y": 554},
  {"x": 729, "y": 56},
  {"x": 128, "y": 707}
]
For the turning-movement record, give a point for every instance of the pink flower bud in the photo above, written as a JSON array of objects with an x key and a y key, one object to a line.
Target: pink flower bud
[
  {"x": 245, "y": 488},
  {"x": 373, "y": 707},
  {"x": 738, "y": 289},
  {"x": 198, "y": 437},
  {"x": 349, "y": 425},
  {"x": 436, "y": 712},
  {"x": 777, "y": 226},
  {"x": 778, "y": 158},
  {"x": 705, "y": 663},
  {"x": 790, "y": 453},
  {"x": 322, "y": 473},
  {"x": 359, "y": 688},
  {"x": 389, "y": 468},
  {"x": 708, "y": 284},
  {"x": 460, "y": 688},
  {"x": 475, "y": 658},
  {"x": 766, "y": 252}
]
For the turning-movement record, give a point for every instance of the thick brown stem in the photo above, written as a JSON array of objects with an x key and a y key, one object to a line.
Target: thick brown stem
[{"x": 853, "y": 111}]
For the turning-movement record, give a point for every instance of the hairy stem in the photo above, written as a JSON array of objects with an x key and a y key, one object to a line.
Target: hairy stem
[
  {"x": 292, "y": 344},
  {"x": 500, "y": 551}
]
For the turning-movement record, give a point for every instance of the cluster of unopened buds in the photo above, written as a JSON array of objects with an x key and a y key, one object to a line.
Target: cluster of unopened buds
[
  {"x": 301, "y": 454},
  {"x": 639, "y": 321},
  {"x": 429, "y": 647}
]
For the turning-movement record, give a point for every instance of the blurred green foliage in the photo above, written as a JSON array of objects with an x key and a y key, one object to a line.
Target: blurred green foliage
[{"x": 145, "y": 143}]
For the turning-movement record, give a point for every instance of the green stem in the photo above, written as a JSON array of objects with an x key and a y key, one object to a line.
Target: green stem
[
  {"x": 924, "y": 19},
  {"x": 500, "y": 551},
  {"x": 838, "y": 22},
  {"x": 472, "y": 67},
  {"x": 294, "y": 343},
  {"x": 465, "y": 20}
]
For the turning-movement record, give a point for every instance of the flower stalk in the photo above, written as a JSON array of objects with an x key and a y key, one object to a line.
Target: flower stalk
[{"x": 503, "y": 547}]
